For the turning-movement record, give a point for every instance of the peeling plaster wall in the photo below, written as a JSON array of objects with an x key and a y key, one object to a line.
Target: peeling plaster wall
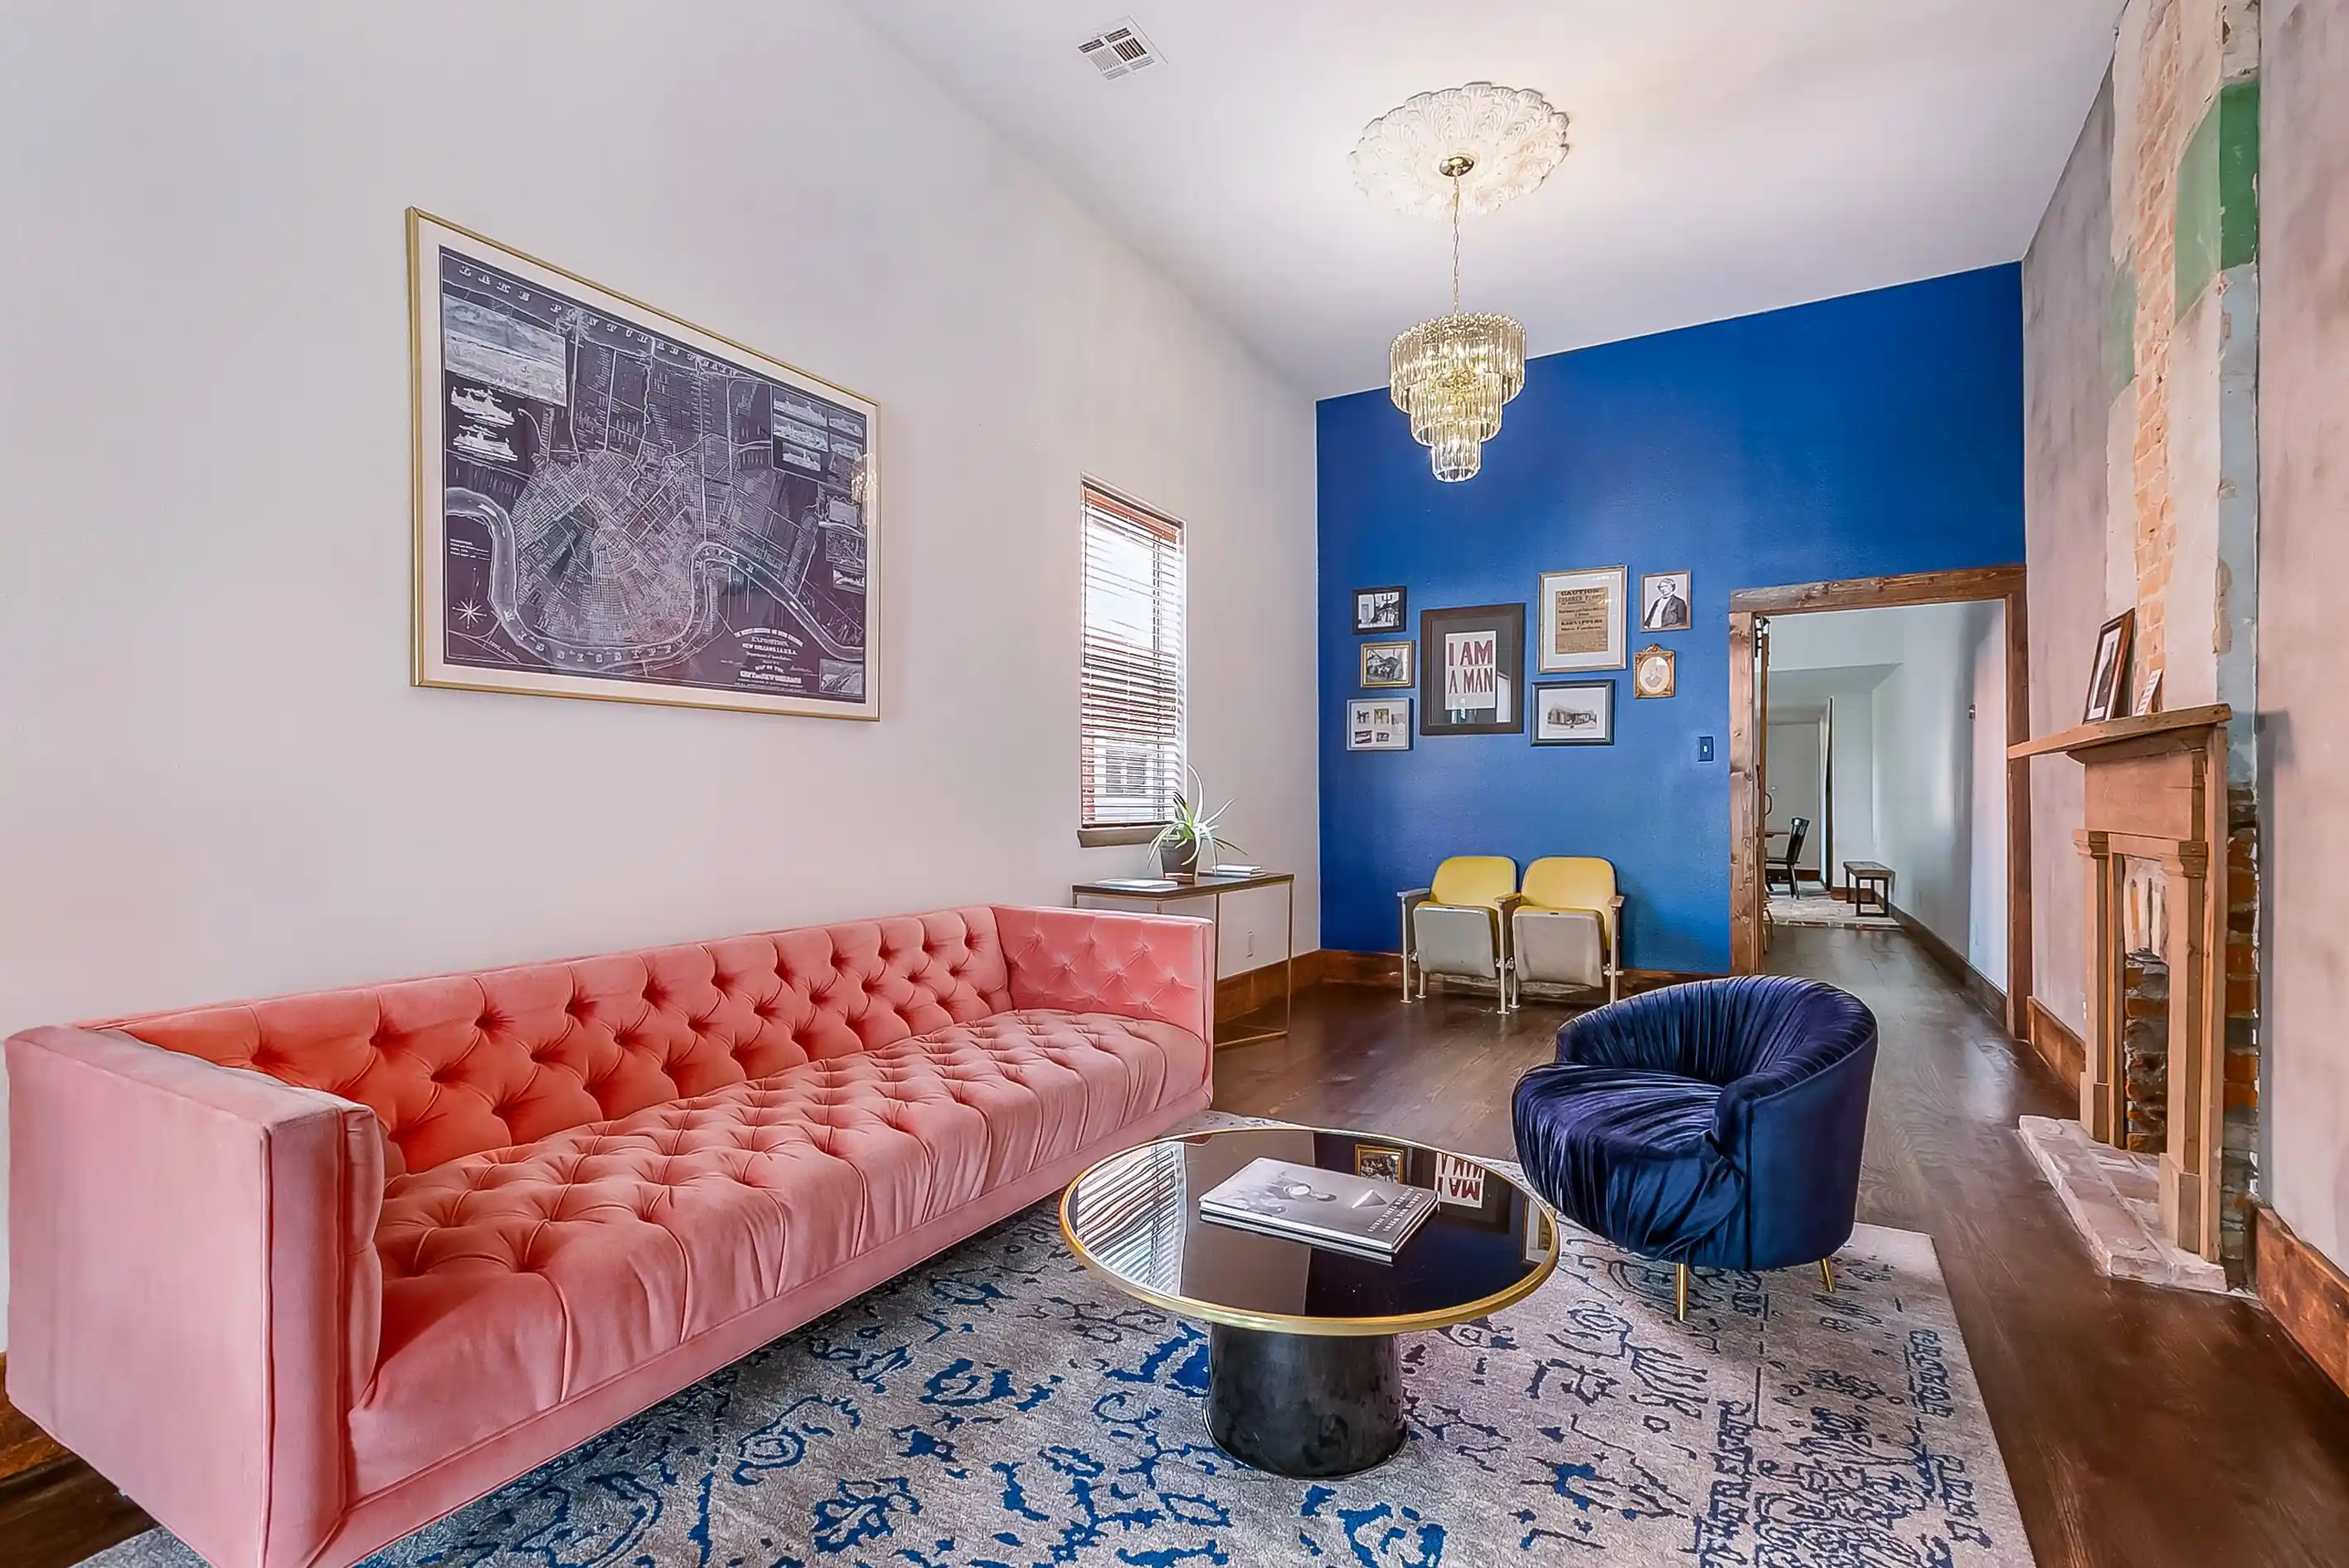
[
  {"x": 2067, "y": 280},
  {"x": 2303, "y": 634}
]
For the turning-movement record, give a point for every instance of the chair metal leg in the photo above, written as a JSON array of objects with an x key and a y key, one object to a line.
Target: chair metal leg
[
  {"x": 1826, "y": 1271},
  {"x": 1680, "y": 1291}
]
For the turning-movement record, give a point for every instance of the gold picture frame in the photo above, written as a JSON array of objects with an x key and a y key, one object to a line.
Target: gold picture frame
[
  {"x": 1652, "y": 673},
  {"x": 494, "y": 334},
  {"x": 1379, "y": 1162},
  {"x": 1388, "y": 665}
]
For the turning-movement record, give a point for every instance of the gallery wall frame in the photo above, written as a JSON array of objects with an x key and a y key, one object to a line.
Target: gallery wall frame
[
  {"x": 1665, "y": 600},
  {"x": 1574, "y": 713},
  {"x": 1652, "y": 672},
  {"x": 613, "y": 503},
  {"x": 1472, "y": 671},
  {"x": 1581, "y": 621},
  {"x": 1380, "y": 609},
  {"x": 1378, "y": 724},
  {"x": 1387, "y": 664}
]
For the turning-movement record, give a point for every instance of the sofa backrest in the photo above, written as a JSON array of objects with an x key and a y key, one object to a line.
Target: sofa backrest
[{"x": 462, "y": 1063}]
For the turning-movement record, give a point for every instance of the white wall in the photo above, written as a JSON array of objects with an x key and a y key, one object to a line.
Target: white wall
[
  {"x": 1795, "y": 764},
  {"x": 1985, "y": 943},
  {"x": 1934, "y": 765},
  {"x": 217, "y": 780},
  {"x": 1852, "y": 744}
]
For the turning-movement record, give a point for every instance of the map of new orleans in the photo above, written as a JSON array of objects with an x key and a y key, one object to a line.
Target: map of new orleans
[{"x": 620, "y": 504}]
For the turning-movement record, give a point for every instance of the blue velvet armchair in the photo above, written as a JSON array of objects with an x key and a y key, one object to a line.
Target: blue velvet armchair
[{"x": 1712, "y": 1125}]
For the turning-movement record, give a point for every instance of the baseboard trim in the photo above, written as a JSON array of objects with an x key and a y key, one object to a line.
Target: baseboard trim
[
  {"x": 2054, "y": 1044},
  {"x": 2305, "y": 1291},
  {"x": 1990, "y": 998},
  {"x": 22, "y": 1445},
  {"x": 1237, "y": 995},
  {"x": 1339, "y": 967}
]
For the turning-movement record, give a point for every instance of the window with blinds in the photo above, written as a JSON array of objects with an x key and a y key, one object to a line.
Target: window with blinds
[{"x": 1129, "y": 724}]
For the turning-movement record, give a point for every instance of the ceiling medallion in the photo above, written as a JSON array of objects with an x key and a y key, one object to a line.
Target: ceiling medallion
[{"x": 1472, "y": 148}]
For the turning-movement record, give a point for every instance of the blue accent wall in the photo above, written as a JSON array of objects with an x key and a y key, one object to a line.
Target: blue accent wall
[{"x": 1877, "y": 433}]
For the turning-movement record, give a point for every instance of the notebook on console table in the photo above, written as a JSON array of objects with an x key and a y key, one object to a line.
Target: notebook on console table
[{"x": 1323, "y": 1208}]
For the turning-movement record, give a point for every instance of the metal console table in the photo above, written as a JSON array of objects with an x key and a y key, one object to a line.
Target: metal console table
[{"x": 1147, "y": 890}]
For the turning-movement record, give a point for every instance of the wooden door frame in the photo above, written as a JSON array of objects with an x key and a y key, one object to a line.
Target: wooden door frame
[{"x": 2005, "y": 583}]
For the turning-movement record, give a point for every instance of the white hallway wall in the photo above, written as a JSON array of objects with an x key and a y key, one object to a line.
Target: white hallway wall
[
  {"x": 216, "y": 780},
  {"x": 1853, "y": 749},
  {"x": 1941, "y": 799}
]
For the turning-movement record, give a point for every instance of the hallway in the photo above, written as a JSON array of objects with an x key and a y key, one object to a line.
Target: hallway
[{"x": 2142, "y": 1429}]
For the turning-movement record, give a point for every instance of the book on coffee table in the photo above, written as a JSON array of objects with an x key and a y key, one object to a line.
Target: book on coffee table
[{"x": 1324, "y": 1208}]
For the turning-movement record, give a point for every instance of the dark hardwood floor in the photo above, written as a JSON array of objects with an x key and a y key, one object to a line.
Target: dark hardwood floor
[
  {"x": 2142, "y": 1427},
  {"x": 61, "y": 1512}
]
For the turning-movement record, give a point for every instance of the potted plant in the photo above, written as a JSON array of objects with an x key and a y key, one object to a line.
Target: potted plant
[{"x": 1186, "y": 845}]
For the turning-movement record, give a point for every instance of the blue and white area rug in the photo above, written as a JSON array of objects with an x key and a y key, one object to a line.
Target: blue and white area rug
[{"x": 1001, "y": 1408}]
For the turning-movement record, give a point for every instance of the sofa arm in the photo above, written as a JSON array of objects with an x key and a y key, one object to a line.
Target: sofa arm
[
  {"x": 196, "y": 1298},
  {"x": 1159, "y": 967}
]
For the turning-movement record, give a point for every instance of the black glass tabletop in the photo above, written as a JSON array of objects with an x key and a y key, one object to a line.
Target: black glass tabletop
[{"x": 1136, "y": 1218}]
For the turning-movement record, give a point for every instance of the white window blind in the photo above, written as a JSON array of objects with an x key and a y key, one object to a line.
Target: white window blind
[{"x": 1131, "y": 719}]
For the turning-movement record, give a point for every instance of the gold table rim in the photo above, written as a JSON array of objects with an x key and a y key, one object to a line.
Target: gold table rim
[{"x": 1303, "y": 1324}]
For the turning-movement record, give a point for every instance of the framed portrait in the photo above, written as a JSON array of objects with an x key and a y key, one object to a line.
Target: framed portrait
[
  {"x": 1651, "y": 673},
  {"x": 1582, "y": 621},
  {"x": 2108, "y": 676},
  {"x": 1665, "y": 599},
  {"x": 1378, "y": 724},
  {"x": 1377, "y": 609},
  {"x": 1574, "y": 713},
  {"x": 613, "y": 503},
  {"x": 1378, "y": 1162},
  {"x": 1471, "y": 681},
  {"x": 1387, "y": 664}
]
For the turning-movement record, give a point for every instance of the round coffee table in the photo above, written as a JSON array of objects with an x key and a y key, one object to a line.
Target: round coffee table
[{"x": 1305, "y": 1377}]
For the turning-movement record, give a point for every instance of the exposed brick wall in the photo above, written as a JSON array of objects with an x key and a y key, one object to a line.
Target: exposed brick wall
[
  {"x": 2238, "y": 1173},
  {"x": 2185, "y": 159},
  {"x": 2145, "y": 1053},
  {"x": 2156, "y": 135}
]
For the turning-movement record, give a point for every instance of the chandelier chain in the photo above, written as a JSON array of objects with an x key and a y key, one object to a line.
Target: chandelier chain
[{"x": 1455, "y": 245}]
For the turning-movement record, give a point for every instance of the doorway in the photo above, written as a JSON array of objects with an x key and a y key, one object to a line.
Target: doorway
[{"x": 1759, "y": 768}]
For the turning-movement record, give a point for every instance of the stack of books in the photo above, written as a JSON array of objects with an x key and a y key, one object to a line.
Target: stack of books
[{"x": 1323, "y": 1208}]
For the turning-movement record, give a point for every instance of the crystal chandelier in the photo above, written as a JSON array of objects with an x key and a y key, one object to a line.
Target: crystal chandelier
[{"x": 1477, "y": 145}]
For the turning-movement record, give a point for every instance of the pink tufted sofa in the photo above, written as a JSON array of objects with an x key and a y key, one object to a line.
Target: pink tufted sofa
[{"x": 303, "y": 1275}]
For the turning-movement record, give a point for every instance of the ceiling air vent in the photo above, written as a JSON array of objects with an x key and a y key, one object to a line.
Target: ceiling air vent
[{"x": 1120, "y": 51}]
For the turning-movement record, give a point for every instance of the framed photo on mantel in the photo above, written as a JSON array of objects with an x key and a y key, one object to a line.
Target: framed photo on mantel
[
  {"x": 1472, "y": 671},
  {"x": 1582, "y": 621}
]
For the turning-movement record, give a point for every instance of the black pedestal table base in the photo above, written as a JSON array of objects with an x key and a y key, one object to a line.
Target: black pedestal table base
[{"x": 1304, "y": 1405}]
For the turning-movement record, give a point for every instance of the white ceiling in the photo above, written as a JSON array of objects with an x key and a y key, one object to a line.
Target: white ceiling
[
  {"x": 1804, "y": 694},
  {"x": 1728, "y": 157}
]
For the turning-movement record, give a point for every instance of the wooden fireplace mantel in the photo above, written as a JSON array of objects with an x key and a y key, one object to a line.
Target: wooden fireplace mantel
[
  {"x": 2157, "y": 792},
  {"x": 2113, "y": 732}
]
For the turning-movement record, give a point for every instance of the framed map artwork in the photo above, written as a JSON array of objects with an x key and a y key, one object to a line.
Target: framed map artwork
[{"x": 613, "y": 503}]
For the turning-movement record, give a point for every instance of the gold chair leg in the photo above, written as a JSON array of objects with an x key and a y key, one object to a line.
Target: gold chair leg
[
  {"x": 1826, "y": 1271},
  {"x": 1680, "y": 1291}
]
